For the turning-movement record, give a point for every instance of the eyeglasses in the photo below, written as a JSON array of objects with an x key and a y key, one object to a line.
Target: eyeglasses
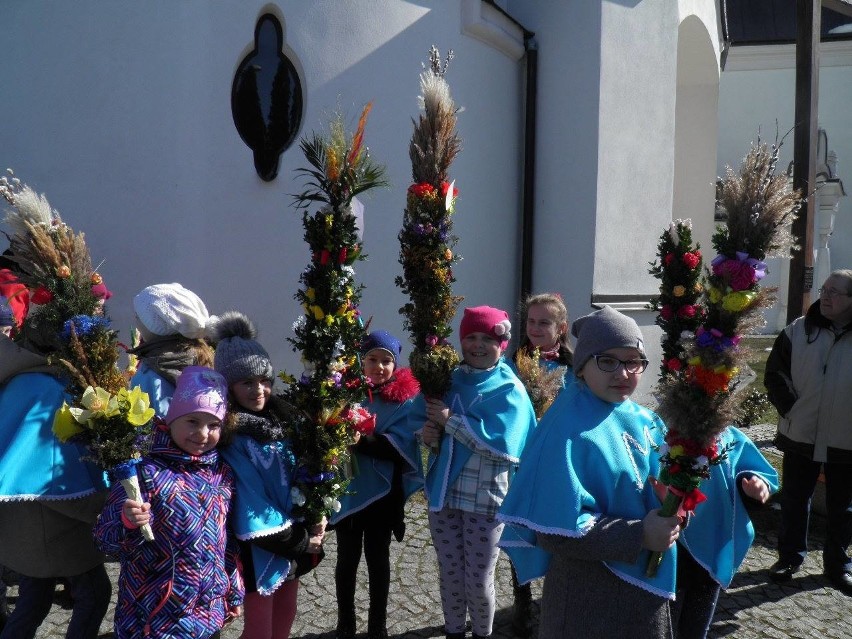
[
  {"x": 610, "y": 364},
  {"x": 833, "y": 292}
]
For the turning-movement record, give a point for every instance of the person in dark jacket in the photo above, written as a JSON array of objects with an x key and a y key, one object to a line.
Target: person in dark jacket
[
  {"x": 388, "y": 473},
  {"x": 809, "y": 380}
]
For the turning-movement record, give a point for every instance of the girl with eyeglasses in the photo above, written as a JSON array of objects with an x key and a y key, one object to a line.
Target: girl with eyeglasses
[{"x": 581, "y": 510}]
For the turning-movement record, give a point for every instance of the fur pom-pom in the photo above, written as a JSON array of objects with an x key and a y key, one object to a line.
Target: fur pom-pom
[
  {"x": 231, "y": 324},
  {"x": 401, "y": 388}
]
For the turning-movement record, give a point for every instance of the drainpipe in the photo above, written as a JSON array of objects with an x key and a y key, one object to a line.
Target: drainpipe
[{"x": 528, "y": 212}]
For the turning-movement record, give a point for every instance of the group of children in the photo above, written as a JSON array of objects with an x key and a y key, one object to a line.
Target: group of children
[{"x": 570, "y": 498}]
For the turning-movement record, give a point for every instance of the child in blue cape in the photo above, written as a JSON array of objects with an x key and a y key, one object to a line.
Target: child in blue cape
[
  {"x": 173, "y": 323},
  {"x": 186, "y": 582},
  {"x": 276, "y": 550},
  {"x": 581, "y": 510},
  {"x": 388, "y": 472},
  {"x": 482, "y": 425},
  {"x": 544, "y": 318},
  {"x": 719, "y": 533}
]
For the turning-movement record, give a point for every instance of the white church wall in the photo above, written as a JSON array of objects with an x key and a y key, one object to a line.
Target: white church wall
[
  {"x": 120, "y": 113},
  {"x": 608, "y": 84}
]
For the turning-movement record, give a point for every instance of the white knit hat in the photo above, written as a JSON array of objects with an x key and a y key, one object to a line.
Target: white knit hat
[{"x": 171, "y": 309}]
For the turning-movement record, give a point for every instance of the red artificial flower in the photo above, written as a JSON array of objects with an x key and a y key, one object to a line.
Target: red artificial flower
[
  {"x": 687, "y": 311},
  {"x": 422, "y": 189},
  {"x": 41, "y": 296},
  {"x": 666, "y": 312},
  {"x": 668, "y": 258},
  {"x": 691, "y": 260},
  {"x": 674, "y": 364},
  {"x": 324, "y": 256},
  {"x": 710, "y": 382},
  {"x": 341, "y": 257}
]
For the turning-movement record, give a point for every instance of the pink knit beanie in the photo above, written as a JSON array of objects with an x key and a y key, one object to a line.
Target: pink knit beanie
[
  {"x": 489, "y": 320},
  {"x": 198, "y": 390}
]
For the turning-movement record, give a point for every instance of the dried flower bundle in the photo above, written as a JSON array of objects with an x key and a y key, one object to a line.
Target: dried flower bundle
[
  {"x": 542, "y": 383},
  {"x": 426, "y": 239},
  {"x": 54, "y": 263},
  {"x": 327, "y": 393}
]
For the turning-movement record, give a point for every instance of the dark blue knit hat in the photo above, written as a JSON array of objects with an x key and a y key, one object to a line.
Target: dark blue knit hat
[{"x": 383, "y": 340}]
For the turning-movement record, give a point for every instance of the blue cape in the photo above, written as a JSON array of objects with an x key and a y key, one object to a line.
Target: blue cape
[
  {"x": 588, "y": 458},
  {"x": 159, "y": 389},
  {"x": 262, "y": 502},
  {"x": 495, "y": 409},
  {"x": 374, "y": 476},
  {"x": 34, "y": 464},
  {"x": 720, "y": 531}
]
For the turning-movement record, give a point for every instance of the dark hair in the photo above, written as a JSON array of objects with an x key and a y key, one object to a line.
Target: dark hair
[{"x": 554, "y": 301}]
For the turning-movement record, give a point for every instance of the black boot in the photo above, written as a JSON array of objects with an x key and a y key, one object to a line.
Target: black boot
[
  {"x": 522, "y": 624},
  {"x": 377, "y": 626},
  {"x": 345, "y": 626}
]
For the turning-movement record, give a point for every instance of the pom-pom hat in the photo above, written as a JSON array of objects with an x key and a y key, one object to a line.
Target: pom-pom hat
[
  {"x": 489, "y": 320},
  {"x": 170, "y": 309},
  {"x": 384, "y": 341},
  {"x": 238, "y": 355},
  {"x": 602, "y": 330},
  {"x": 198, "y": 390}
]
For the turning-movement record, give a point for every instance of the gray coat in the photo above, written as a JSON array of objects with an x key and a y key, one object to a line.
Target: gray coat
[{"x": 583, "y": 598}]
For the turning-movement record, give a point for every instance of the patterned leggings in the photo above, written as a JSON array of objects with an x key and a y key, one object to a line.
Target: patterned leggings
[{"x": 466, "y": 545}]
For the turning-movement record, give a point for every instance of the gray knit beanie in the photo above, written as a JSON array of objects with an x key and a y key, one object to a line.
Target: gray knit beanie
[
  {"x": 238, "y": 355},
  {"x": 602, "y": 330}
]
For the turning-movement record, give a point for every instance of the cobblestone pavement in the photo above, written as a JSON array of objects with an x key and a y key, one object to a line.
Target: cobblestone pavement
[{"x": 753, "y": 608}]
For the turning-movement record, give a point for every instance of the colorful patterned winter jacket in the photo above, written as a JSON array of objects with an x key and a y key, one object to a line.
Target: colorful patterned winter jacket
[{"x": 181, "y": 584}]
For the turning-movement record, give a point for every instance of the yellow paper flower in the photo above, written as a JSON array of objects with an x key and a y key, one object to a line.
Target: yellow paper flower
[
  {"x": 676, "y": 451},
  {"x": 318, "y": 313},
  {"x": 139, "y": 412},
  {"x": 679, "y": 291},
  {"x": 97, "y": 402},
  {"x": 737, "y": 301},
  {"x": 65, "y": 426}
]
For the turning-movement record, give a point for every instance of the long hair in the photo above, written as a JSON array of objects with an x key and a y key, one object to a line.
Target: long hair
[{"x": 553, "y": 301}]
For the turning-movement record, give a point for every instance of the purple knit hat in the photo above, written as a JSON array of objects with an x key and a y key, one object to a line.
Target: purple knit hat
[{"x": 199, "y": 390}]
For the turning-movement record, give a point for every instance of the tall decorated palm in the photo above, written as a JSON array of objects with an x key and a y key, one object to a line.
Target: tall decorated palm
[
  {"x": 696, "y": 398},
  {"x": 426, "y": 239},
  {"x": 327, "y": 394}
]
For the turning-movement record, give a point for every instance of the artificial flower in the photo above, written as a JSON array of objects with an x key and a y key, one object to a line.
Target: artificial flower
[
  {"x": 65, "y": 426},
  {"x": 679, "y": 291},
  {"x": 139, "y": 410},
  {"x": 691, "y": 260},
  {"x": 63, "y": 272},
  {"x": 738, "y": 301},
  {"x": 41, "y": 296}
]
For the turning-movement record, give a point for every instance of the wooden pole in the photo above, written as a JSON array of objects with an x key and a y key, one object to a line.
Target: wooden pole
[{"x": 808, "y": 27}]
